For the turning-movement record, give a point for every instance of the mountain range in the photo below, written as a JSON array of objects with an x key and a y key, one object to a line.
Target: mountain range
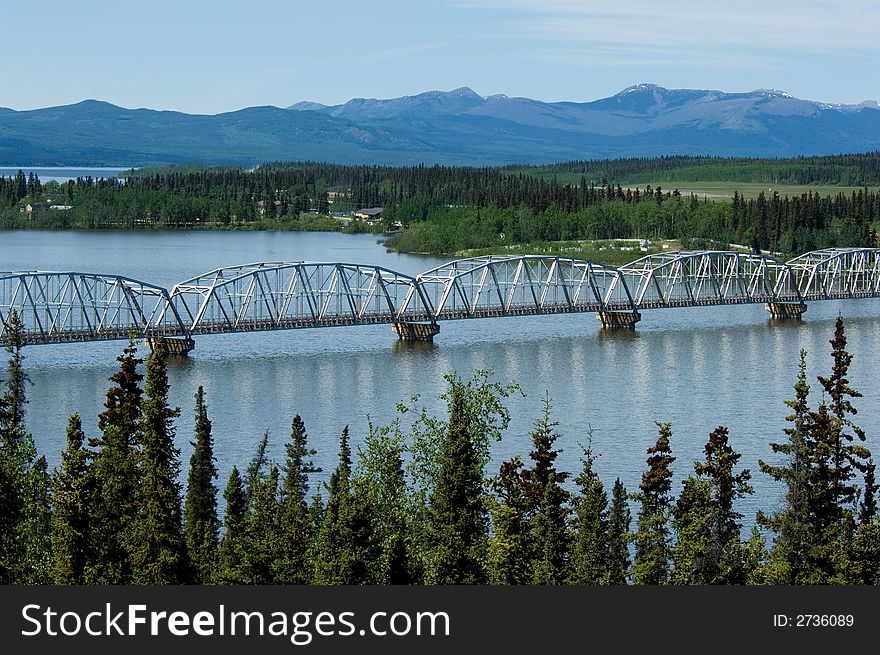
[{"x": 447, "y": 127}]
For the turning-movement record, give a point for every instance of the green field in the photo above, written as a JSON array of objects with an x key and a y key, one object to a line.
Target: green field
[
  {"x": 720, "y": 190},
  {"x": 717, "y": 190}
]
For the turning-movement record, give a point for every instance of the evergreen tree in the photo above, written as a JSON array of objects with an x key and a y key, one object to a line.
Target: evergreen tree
[
  {"x": 723, "y": 561},
  {"x": 24, "y": 480},
  {"x": 651, "y": 564},
  {"x": 619, "y": 518},
  {"x": 457, "y": 529},
  {"x": 229, "y": 570},
  {"x": 158, "y": 555},
  {"x": 381, "y": 475},
  {"x": 792, "y": 525},
  {"x": 347, "y": 550},
  {"x": 549, "y": 504},
  {"x": 73, "y": 494},
  {"x": 847, "y": 457},
  {"x": 692, "y": 519},
  {"x": 117, "y": 474},
  {"x": 201, "y": 525},
  {"x": 868, "y": 504},
  {"x": 590, "y": 546},
  {"x": 510, "y": 547},
  {"x": 262, "y": 542},
  {"x": 294, "y": 567}
]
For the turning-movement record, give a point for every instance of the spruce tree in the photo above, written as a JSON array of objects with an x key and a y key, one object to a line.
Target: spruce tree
[
  {"x": 590, "y": 548},
  {"x": 788, "y": 556},
  {"x": 73, "y": 496},
  {"x": 117, "y": 473},
  {"x": 619, "y": 519},
  {"x": 24, "y": 479},
  {"x": 868, "y": 503},
  {"x": 261, "y": 544},
  {"x": 509, "y": 557},
  {"x": 380, "y": 474},
  {"x": 293, "y": 568},
  {"x": 201, "y": 525},
  {"x": 229, "y": 569},
  {"x": 692, "y": 519},
  {"x": 158, "y": 551},
  {"x": 347, "y": 549},
  {"x": 847, "y": 457},
  {"x": 549, "y": 502},
  {"x": 723, "y": 562},
  {"x": 652, "y": 554},
  {"x": 457, "y": 523}
]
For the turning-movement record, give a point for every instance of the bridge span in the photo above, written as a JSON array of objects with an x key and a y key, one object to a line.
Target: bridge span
[{"x": 59, "y": 307}]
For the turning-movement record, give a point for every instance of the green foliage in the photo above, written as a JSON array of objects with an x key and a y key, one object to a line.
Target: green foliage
[
  {"x": 231, "y": 546},
  {"x": 73, "y": 495},
  {"x": 158, "y": 551},
  {"x": 510, "y": 547},
  {"x": 548, "y": 502},
  {"x": 591, "y": 546},
  {"x": 723, "y": 557},
  {"x": 458, "y": 526},
  {"x": 619, "y": 537},
  {"x": 24, "y": 480},
  {"x": 381, "y": 477},
  {"x": 792, "y": 524},
  {"x": 200, "y": 523},
  {"x": 651, "y": 564},
  {"x": 348, "y": 551},
  {"x": 294, "y": 567},
  {"x": 692, "y": 520}
]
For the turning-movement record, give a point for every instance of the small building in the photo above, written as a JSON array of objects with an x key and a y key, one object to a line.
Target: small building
[{"x": 371, "y": 215}]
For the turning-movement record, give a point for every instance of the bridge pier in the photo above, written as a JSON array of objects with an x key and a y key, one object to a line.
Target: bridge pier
[
  {"x": 415, "y": 331},
  {"x": 785, "y": 310},
  {"x": 176, "y": 347},
  {"x": 612, "y": 320}
]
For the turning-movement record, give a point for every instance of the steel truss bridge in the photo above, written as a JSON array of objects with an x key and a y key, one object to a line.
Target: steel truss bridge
[{"x": 56, "y": 307}]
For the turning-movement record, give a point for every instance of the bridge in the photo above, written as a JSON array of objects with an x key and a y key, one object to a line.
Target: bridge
[{"x": 58, "y": 307}]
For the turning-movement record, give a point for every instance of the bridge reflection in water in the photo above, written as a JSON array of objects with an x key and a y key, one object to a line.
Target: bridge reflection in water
[{"x": 58, "y": 307}]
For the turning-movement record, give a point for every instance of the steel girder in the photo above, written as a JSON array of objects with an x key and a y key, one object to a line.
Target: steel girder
[
  {"x": 681, "y": 279},
  {"x": 69, "y": 306},
  {"x": 837, "y": 273},
  {"x": 284, "y": 295},
  {"x": 517, "y": 285}
]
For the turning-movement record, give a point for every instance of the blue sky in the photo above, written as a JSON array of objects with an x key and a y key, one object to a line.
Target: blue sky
[{"x": 210, "y": 57}]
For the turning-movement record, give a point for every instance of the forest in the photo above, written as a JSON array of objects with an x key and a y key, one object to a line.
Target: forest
[
  {"x": 416, "y": 504},
  {"x": 447, "y": 210}
]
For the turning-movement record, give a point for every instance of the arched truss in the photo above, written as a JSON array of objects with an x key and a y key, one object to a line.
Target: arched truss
[
  {"x": 681, "y": 279},
  {"x": 284, "y": 295},
  {"x": 57, "y": 307},
  {"x": 837, "y": 273},
  {"x": 518, "y": 285}
]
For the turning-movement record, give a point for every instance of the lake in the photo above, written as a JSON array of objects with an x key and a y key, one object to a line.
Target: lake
[
  {"x": 61, "y": 174},
  {"x": 697, "y": 367}
]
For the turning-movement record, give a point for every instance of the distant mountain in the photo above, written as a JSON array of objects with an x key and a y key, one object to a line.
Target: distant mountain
[{"x": 454, "y": 127}]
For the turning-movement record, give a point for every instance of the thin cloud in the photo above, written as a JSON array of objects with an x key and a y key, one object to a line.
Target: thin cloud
[{"x": 843, "y": 27}]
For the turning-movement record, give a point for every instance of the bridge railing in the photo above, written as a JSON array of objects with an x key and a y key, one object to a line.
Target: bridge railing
[
  {"x": 69, "y": 306},
  {"x": 516, "y": 285},
  {"x": 284, "y": 295},
  {"x": 72, "y": 306},
  {"x": 678, "y": 279}
]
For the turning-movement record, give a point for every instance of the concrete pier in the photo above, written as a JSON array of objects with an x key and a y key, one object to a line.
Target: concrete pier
[
  {"x": 416, "y": 331},
  {"x": 619, "y": 320},
  {"x": 785, "y": 310},
  {"x": 173, "y": 346}
]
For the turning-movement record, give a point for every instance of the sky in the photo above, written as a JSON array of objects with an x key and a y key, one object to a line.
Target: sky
[{"x": 218, "y": 56}]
